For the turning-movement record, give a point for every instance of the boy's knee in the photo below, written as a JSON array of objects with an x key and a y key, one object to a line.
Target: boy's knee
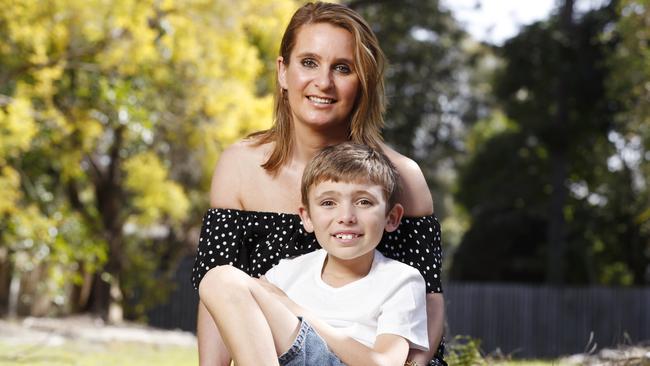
[{"x": 222, "y": 279}]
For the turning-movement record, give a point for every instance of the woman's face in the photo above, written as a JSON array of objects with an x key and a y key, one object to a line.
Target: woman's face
[{"x": 320, "y": 78}]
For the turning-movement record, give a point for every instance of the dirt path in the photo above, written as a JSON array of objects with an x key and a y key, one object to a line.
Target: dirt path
[{"x": 56, "y": 331}]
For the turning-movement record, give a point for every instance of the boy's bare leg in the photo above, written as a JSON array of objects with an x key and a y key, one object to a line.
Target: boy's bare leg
[
  {"x": 212, "y": 350},
  {"x": 255, "y": 326}
]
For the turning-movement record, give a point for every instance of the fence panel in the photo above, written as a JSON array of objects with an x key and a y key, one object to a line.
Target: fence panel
[{"x": 541, "y": 321}]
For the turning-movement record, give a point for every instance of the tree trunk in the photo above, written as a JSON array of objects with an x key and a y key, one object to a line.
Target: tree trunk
[
  {"x": 556, "y": 234},
  {"x": 106, "y": 297}
]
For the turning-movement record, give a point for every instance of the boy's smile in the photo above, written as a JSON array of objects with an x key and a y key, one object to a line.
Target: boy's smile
[{"x": 349, "y": 218}]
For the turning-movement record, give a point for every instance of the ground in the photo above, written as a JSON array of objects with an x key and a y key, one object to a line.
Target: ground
[{"x": 88, "y": 341}]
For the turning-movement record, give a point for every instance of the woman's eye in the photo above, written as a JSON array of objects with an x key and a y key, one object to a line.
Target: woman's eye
[
  {"x": 344, "y": 69},
  {"x": 308, "y": 63}
]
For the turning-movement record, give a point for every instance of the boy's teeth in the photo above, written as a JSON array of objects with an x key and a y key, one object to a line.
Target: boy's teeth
[
  {"x": 345, "y": 236},
  {"x": 321, "y": 100}
]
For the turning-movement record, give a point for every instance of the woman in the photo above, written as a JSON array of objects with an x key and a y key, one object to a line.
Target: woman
[{"x": 329, "y": 90}]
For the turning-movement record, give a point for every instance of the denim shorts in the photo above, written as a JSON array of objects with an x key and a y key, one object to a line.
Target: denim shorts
[{"x": 309, "y": 349}]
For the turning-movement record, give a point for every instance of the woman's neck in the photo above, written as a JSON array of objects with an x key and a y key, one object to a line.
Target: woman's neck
[{"x": 308, "y": 142}]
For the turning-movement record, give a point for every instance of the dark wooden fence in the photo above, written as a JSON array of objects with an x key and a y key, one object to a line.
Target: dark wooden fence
[
  {"x": 522, "y": 320},
  {"x": 180, "y": 311},
  {"x": 542, "y": 321}
]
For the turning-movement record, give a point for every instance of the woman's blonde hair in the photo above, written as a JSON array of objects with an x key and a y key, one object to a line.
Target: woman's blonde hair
[{"x": 367, "y": 118}]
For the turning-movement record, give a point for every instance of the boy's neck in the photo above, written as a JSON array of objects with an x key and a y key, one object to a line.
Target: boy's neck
[{"x": 338, "y": 272}]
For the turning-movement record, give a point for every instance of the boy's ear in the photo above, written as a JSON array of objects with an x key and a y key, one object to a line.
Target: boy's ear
[
  {"x": 394, "y": 217},
  {"x": 282, "y": 72},
  {"x": 306, "y": 220}
]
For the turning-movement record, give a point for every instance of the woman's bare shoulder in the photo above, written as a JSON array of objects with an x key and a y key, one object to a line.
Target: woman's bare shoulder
[
  {"x": 415, "y": 195},
  {"x": 237, "y": 164},
  {"x": 247, "y": 149}
]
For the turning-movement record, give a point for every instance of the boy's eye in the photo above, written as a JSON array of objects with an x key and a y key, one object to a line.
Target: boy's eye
[
  {"x": 308, "y": 62},
  {"x": 343, "y": 69},
  {"x": 327, "y": 203},
  {"x": 364, "y": 202}
]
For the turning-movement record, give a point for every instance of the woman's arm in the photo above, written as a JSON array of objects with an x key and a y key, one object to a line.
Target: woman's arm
[
  {"x": 435, "y": 321},
  {"x": 389, "y": 349},
  {"x": 417, "y": 201},
  {"x": 224, "y": 193},
  {"x": 225, "y": 189}
]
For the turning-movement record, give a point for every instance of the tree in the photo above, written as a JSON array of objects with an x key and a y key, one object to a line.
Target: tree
[
  {"x": 112, "y": 116},
  {"x": 560, "y": 137},
  {"x": 432, "y": 96},
  {"x": 629, "y": 87}
]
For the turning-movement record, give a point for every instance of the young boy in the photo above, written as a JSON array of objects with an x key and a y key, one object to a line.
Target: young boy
[{"x": 343, "y": 304}]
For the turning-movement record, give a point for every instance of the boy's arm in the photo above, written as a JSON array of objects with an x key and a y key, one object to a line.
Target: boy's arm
[{"x": 389, "y": 349}]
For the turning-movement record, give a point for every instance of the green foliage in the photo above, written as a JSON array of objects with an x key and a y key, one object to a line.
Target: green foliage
[
  {"x": 506, "y": 184},
  {"x": 629, "y": 87},
  {"x": 465, "y": 351},
  {"x": 112, "y": 116},
  {"x": 429, "y": 67}
]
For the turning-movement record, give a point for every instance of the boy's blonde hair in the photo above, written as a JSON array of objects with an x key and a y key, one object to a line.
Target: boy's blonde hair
[{"x": 350, "y": 162}]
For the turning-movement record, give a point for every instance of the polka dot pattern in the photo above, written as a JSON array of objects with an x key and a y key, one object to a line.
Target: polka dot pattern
[{"x": 256, "y": 241}]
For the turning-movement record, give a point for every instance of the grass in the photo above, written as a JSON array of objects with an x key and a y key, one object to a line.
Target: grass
[
  {"x": 87, "y": 353},
  {"x": 98, "y": 354},
  {"x": 129, "y": 353},
  {"x": 526, "y": 363}
]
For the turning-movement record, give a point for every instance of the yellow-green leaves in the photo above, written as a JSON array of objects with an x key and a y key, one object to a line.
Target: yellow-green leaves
[
  {"x": 17, "y": 127},
  {"x": 153, "y": 194},
  {"x": 112, "y": 116},
  {"x": 10, "y": 188}
]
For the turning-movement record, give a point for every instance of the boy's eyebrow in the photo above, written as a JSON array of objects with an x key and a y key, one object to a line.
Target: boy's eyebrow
[
  {"x": 338, "y": 193},
  {"x": 328, "y": 193}
]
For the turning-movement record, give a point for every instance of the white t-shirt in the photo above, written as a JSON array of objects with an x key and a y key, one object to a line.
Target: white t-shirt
[{"x": 389, "y": 300}]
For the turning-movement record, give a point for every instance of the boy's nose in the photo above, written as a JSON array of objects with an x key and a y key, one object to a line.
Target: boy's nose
[{"x": 347, "y": 215}]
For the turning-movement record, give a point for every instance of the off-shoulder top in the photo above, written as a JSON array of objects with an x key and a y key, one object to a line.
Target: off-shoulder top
[{"x": 256, "y": 241}]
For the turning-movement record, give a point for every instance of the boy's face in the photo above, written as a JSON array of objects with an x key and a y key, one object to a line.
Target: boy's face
[{"x": 347, "y": 218}]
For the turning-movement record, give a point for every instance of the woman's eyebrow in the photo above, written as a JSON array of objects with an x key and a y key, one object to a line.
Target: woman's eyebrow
[{"x": 318, "y": 57}]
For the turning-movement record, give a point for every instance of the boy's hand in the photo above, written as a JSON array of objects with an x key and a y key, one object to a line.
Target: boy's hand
[{"x": 419, "y": 357}]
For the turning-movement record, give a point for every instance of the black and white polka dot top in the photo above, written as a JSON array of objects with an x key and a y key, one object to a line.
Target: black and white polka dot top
[{"x": 256, "y": 241}]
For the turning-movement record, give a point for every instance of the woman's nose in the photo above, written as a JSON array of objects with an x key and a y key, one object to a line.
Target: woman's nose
[{"x": 324, "y": 79}]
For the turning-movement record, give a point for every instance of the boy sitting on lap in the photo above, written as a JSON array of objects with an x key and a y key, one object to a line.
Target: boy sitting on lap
[{"x": 345, "y": 304}]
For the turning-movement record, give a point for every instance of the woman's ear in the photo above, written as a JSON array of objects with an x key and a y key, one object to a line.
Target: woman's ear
[
  {"x": 394, "y": 217},
  {"x": 306, "y": 220},
  {"x": 282, "y": 72}
]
